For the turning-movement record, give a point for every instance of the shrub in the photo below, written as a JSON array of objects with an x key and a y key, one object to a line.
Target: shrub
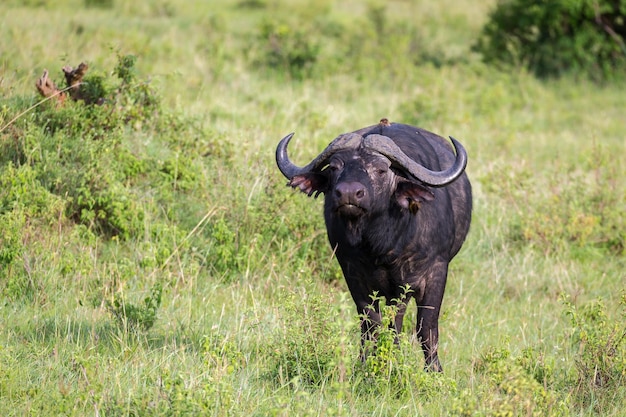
[
  {"x": 90, "y": 175},
  {"x": 600, "y": 345},
  {"x": 78, "y": 154},
  {"x": 289, "y": 49},
  {"x": 133, "y": 317},
  {"x": 222, "y": 354},
  {"x": 303, "y": 352},
  {"x": 104, "y": 4},
  {"x": 24, "y": 205},
  {"x": 223, "y": 251},
  {"x": 556, "y": 37},
  {"x": 20, "y": 189},
  {"x": 393, "y": 367},
  {"x": 512, "y": 388},
  {"x": 14, "y": 283}
]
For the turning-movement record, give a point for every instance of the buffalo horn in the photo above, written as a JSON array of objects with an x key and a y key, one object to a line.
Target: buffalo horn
[
  {"x": 385, "y": 146},
  {"x": 290, "y": 170}
]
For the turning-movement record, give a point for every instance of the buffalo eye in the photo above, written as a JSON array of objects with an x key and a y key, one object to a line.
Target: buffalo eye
[
  {"x": 381, "y": 169},
  {"x": 335, "y": 166}
]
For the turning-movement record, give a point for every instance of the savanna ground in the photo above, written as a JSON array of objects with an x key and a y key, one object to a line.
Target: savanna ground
[{"x": 152, "y": 262}]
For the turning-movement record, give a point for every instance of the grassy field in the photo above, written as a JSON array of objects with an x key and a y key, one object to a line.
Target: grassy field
[{"x": 152, "y": 262}]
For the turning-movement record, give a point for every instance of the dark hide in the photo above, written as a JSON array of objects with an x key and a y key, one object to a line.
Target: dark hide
[{"x": 389, "y": 230}]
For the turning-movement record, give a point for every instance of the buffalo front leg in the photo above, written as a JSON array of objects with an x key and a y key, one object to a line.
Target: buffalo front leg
[
  {"x": 370, "y": 324},
  {"x": 428, "y": 316},
  {"x": 400, "y": 305},
  {"x": 428, "y": 334},
  {"x": 371, "y": 320}
]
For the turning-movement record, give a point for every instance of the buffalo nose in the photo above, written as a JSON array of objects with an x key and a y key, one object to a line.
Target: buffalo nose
[{"x": 350, "y": 192}]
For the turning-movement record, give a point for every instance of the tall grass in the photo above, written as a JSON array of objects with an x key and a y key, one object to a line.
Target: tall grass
[{"x": 153, "y": 262}]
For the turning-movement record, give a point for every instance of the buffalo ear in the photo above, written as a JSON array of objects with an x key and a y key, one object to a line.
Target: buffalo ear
[
  {"x": 409, "y": 195},
  {"x": 310, "y": 183}
]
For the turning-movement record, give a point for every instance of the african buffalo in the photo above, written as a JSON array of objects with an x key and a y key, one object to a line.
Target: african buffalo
[{"x": 397, "y": 207}]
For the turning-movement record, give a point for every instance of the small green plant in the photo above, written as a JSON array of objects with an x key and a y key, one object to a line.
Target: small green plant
[
  {"x": 24, "y": 205},
  {"x": 14, "y": 280},
  {"x": 600, "y": 345},
  {"x": 133, "y": 317},
  {"x": 20, "y": 189},
  {"x": 125, "y": 68},
  {"x": 304, "y": 352},
  {"x": 383, "y": 352},
  {"x": 514, "y": 391},
  {"x": 222, "y": 353},
  {"x": 11, "y": 245},
  {"x": 394, "y": 365},
  {"x": 289, "y": 48},
  {"x": 223, "y": 250},
  {"x": 180, "y": 395},
  {"x": 94, "y": 89},
  {"x": 539, "y": 365}
]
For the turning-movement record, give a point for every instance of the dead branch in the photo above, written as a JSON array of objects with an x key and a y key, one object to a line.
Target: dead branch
[
  {"x": 48, "y": 89},
  {"x": 73, "y": 79}
]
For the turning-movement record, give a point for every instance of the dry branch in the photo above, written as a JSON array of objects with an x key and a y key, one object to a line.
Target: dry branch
[
  {"x": 48, "y": 89},
  {"x": 73, "y": 79}
]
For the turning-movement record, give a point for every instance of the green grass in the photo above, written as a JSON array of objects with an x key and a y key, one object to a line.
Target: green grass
[{"x": 254, "y": 317}]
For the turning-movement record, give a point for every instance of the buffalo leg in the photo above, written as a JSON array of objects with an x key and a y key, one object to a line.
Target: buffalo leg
[
  {"x": 428, "y": 316},
  {"x": 429, "y": 338},
  {"x": 372, "y": 320},
  {"x": 401, "y": 305},
  {"x": 399, "y": 316},
  {"x": 370, "y": 323}
]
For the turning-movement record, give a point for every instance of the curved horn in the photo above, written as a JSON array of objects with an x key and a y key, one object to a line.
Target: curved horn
[
  {"x": 290, "y": 170},
  {"x": 385, "y": 146}
]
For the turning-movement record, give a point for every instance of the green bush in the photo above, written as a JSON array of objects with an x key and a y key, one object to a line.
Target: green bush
[
  {"x": 20, "y": 189},
  {"x": 104, "y": 4},
  {"x": 600, "y": 343},
  {"x": 91, "y": 177},
  {"x": 223, "y": 250},
  {"x": 513, "y": 388},
  {"x": 311, "y": 42},
  {"x": 76, "y": 152},
  {"x": 24, "y": 205},
  {"x": 551, "y": 38},
  {"x": 289, "y": 49},
  {"x": 132, "y": 317},
  {"x": 14, "y": 283},
  {"x": 533, "y": 382},
  {"x": 298, "y": 355},
  {"x": 394, "y": 365}
]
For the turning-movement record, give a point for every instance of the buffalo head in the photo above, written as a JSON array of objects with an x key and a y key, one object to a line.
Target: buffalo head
[{"x": 362, "y": 176}]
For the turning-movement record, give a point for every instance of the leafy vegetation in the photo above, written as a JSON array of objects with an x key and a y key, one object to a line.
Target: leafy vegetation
[
  {"x": 552, "y": 38},
  {"x": 152, "y": 262}
]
